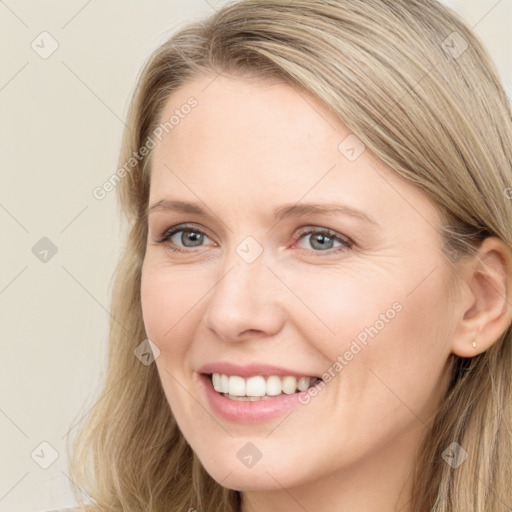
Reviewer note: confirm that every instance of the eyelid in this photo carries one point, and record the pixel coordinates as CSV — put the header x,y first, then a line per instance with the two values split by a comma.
x,y
346,242
169,232
318,229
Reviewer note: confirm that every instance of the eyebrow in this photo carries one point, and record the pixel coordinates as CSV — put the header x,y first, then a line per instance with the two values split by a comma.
x,y
283,212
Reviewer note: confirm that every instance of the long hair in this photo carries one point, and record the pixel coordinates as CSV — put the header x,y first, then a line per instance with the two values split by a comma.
x,y
412,81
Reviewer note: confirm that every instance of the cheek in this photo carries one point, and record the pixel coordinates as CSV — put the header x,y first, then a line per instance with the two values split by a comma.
x,y
171,305
337,306
401,372
384,334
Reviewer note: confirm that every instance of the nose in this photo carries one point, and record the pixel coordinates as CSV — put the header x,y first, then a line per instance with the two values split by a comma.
x,y
245,302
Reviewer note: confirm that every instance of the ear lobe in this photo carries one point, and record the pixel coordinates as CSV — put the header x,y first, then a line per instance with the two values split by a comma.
x,y
487,310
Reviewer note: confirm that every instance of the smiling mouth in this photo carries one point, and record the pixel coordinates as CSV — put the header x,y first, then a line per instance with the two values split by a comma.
x,y
257,388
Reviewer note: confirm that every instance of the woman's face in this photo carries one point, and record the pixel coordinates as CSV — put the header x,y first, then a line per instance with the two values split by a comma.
x,y
256,282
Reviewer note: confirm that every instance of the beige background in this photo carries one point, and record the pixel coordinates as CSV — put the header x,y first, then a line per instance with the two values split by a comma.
x,y
61,124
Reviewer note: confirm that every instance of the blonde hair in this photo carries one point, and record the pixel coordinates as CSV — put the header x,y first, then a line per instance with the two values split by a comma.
x,y
398,74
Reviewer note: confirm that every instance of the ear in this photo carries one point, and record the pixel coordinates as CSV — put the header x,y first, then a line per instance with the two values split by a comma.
x,y
485,310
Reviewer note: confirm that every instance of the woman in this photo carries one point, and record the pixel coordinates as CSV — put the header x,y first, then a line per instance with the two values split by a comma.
x,y
313,309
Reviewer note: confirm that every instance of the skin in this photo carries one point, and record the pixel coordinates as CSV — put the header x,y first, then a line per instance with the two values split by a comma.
x,y
246,149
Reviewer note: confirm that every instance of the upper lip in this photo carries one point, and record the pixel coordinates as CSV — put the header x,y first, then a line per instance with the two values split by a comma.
x,y
251,370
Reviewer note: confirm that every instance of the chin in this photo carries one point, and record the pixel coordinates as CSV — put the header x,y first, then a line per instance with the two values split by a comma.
x,y
266,475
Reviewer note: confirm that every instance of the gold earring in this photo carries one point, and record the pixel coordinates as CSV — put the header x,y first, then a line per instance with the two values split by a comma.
x,y
474,343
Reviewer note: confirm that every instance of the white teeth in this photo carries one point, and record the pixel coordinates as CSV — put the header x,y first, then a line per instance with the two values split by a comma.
x,y
289,385
216,381
236,386
255,386
303,383
274,386
258,387
224,384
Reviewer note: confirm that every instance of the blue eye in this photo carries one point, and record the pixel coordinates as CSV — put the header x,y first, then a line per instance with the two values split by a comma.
x,y
320,239
190,237
323,240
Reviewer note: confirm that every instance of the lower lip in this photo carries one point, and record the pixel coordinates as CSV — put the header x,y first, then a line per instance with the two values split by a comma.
x,y
241,411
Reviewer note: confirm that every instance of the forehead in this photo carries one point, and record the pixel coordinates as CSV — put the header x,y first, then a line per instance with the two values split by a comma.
x,y
269,143
250,118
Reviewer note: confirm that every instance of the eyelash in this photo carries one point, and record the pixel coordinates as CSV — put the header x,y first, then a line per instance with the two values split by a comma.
x,y
344,240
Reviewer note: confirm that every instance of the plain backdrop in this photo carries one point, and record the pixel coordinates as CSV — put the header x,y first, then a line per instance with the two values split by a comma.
x,y
61,124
